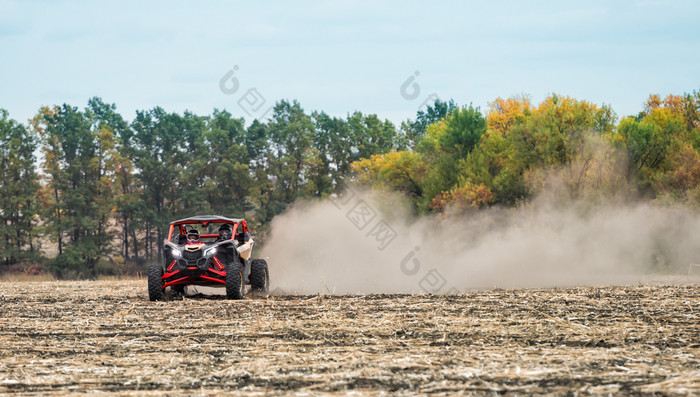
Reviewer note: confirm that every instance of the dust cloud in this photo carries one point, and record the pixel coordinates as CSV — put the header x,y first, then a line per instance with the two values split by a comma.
x,y
368,242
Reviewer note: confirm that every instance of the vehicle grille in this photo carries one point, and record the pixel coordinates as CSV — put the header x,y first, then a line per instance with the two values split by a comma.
x,y
190,256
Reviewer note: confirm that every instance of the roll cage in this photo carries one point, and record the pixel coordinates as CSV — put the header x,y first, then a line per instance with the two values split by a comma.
x,y
178,228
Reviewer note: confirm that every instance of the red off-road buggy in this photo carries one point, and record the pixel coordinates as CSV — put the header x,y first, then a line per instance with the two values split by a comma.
x,y
208,250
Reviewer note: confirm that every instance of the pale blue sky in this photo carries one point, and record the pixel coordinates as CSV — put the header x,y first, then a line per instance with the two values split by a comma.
x,y
342,56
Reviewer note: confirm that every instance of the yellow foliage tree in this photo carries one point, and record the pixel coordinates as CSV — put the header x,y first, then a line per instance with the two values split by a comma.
x,y
400,171
503,113
467,195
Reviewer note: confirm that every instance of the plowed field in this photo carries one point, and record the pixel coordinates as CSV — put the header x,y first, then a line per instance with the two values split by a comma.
x,y
89,336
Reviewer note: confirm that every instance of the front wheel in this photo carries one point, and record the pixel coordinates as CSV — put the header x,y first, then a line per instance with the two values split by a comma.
x,y
155,282
234,281
259,277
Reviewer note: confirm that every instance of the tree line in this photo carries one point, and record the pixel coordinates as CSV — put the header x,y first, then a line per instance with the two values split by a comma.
x,y
102,190
568,148
97,187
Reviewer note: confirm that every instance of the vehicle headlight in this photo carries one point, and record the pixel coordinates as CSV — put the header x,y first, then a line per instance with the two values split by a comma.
x,y
175,253
211,251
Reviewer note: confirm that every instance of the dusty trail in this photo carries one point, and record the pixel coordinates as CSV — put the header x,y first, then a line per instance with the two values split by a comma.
x,y
68,337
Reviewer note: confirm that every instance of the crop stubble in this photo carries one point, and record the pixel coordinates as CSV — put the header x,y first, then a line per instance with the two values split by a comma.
x,y
65,337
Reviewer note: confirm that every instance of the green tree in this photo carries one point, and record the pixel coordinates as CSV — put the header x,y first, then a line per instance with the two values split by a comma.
x,y
523,141
337,150
196,183
159,150
117,171
647,143
555,132
18,190
291,135
371,135
414,131
77,172
445,145
228,178
265,201
493,164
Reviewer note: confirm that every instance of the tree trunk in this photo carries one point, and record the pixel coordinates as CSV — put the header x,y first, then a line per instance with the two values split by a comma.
x,y
58,224
158,241
19,243
136,244
126,237
148,240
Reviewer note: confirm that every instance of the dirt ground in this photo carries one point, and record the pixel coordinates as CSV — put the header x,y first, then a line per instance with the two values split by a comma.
x,y
84,337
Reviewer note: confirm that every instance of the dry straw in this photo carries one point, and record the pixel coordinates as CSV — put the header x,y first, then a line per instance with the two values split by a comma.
x,y
68,337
